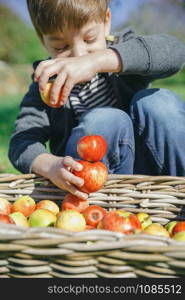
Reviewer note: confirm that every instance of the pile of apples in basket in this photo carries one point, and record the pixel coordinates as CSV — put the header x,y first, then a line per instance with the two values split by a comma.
x,y
76,214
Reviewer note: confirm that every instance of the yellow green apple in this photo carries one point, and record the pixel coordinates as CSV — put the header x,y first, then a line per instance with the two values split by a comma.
x,y
179,236
49,205
72,220
156,229
19,219
42,218
144,219
170,225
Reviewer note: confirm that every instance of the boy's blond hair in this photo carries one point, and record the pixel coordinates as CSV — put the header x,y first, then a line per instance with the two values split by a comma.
x,y
51,16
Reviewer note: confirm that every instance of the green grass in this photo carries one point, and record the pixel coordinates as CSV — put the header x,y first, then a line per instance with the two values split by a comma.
x,y
174,83
9,106
19,43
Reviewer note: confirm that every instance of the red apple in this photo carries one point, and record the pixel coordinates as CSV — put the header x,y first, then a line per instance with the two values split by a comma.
x,y
89,227
180,226
94,176
46,96
94,214
114,221
49,205
72,220
25,205
92,147
123,213
72,202
6,219
5,206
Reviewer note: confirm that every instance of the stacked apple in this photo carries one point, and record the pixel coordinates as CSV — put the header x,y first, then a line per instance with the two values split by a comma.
x,y
91,150
77,214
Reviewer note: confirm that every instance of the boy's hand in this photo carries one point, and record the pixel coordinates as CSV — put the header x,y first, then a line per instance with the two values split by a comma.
x,y
60,174
70,71
73,70
58,170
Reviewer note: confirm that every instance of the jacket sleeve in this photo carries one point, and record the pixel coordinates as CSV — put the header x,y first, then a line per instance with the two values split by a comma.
x,y
32,130
154,56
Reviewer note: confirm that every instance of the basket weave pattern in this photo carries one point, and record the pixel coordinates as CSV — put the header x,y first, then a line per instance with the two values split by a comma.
x,y
52,252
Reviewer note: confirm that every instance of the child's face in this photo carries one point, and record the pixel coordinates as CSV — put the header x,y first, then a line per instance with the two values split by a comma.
x,y
73,43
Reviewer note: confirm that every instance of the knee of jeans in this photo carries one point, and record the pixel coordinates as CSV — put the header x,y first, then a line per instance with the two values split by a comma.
x,y
158,104
98,119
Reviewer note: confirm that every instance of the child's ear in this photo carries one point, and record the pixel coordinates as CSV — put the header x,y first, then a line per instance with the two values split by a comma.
x,y
108,22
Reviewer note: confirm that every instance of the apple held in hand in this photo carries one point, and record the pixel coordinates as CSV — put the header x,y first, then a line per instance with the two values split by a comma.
x,y
46,96
49,205
6,219
42,218
115,221
94,176
5,206
72,220
93,215
92,147
72,202
19,219
25,205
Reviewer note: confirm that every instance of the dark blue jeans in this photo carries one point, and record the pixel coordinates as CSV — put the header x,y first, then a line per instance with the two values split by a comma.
x,y
150,141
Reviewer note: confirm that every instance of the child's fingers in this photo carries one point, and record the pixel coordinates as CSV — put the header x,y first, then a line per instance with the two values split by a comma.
x,y
68,161
73,190
57,89
41,67
46,74
70,183
68,86
71,178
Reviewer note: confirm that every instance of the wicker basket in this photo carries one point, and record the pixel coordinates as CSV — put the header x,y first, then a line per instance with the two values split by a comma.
x,y
51,252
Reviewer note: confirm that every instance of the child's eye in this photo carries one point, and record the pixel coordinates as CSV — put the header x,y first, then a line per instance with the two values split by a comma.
x,y
61,48
90,41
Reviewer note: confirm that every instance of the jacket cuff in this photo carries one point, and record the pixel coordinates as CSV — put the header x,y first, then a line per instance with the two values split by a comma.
x,y
25,161
134,56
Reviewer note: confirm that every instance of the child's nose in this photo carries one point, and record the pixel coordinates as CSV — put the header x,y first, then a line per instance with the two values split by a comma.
x,y
79,51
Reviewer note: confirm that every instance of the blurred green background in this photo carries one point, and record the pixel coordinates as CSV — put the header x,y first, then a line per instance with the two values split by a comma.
x,y
20,46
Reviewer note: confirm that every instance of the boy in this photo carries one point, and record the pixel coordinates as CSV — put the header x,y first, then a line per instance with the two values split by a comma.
x,y
104,91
